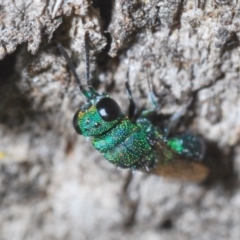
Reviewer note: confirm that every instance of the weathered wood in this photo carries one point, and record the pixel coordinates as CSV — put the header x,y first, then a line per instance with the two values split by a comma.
x,y
53,185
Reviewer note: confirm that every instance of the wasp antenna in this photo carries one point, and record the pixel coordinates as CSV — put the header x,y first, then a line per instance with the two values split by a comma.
x,y
87,73
132,105
72,69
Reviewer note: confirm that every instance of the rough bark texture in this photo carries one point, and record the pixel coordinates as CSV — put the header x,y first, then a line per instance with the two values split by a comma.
x,y
53,185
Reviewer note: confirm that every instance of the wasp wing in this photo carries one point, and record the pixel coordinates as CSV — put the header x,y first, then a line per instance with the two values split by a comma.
x,y
173,165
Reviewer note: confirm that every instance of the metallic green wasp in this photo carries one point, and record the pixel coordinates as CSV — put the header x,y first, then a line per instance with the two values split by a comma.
x,y
134,142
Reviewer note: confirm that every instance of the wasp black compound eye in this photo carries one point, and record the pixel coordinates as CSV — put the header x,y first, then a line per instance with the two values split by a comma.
x,y
76,124
108,109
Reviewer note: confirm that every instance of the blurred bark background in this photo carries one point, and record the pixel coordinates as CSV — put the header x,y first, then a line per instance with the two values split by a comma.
x,y
53,185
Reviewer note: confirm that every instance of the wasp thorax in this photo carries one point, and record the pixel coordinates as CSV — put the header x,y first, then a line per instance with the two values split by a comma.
x,y
100,117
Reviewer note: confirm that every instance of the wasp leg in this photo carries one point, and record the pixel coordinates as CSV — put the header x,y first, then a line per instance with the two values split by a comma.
x,y
132,113
152,95
175,118
147,113
153,99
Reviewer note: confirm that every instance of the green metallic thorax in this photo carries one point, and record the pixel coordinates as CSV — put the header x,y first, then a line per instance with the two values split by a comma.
x,y
126,145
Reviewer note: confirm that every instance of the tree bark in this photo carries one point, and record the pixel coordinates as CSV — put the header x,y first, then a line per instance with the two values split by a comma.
x,y
53,185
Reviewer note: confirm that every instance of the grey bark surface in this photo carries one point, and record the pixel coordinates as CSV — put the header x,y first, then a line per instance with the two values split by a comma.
x,y
53,184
